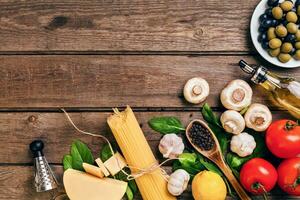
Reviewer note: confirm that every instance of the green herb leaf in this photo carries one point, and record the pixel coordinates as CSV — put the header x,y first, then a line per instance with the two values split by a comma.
x,y
209,165
67,162
80,153
166,125
129,193
106,153
133,186
209,116
222,136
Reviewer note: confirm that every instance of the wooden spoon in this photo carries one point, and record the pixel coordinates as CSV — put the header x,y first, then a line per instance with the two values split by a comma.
x,y
216,156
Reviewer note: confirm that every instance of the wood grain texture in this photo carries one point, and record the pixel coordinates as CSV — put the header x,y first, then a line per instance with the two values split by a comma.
x,y
18,129
17,184
108,81
73,25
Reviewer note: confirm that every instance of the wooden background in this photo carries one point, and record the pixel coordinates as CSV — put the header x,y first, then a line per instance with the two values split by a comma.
x,y
89,56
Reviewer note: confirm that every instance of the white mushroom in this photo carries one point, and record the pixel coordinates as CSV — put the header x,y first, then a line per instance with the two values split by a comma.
x,y
196,90
170,146
242,144
236,95
258,117
232,121
178,182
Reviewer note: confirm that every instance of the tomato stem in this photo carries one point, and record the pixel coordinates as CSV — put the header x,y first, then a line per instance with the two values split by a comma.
x,y
257,186
290,125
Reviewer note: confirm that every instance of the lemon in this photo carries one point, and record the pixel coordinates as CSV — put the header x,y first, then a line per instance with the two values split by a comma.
x,y
208,185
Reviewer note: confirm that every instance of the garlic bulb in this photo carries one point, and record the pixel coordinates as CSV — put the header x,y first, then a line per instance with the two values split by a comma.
x,y
258,117
242,144
196,90
232,121
236,95
171,146
178,182
294,88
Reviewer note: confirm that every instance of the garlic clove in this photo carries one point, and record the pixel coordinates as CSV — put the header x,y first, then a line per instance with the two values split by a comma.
x,y
232,121
196,90
242,144
171,146
178,182
258,117
236,95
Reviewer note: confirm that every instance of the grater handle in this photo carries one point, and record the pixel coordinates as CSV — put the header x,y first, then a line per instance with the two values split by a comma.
x,y
36,148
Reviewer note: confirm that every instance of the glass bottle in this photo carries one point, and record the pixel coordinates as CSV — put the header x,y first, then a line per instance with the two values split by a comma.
x,y
284,91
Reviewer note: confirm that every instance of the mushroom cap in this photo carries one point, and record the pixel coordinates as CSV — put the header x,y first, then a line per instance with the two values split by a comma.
x,y
258,117
196,90
232,121
236,95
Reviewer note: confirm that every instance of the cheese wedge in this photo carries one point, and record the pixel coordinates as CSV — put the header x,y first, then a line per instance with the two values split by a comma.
x,y
102,167
93,170
82,186
115,163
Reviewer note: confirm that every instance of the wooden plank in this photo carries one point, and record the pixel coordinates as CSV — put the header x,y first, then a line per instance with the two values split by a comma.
x,y
37,25
108,81
17,184
18,129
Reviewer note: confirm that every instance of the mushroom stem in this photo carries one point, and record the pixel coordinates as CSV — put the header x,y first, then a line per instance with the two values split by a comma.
x,y
197,89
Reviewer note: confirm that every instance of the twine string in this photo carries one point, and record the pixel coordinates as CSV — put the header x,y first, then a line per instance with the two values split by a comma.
x,y
141,171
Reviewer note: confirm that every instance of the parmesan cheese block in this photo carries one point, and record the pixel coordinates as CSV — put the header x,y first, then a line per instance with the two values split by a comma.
x,y
102,167
82,186
115,163
93,170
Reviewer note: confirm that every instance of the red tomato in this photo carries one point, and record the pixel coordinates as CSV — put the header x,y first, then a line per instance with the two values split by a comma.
x,y
289,176
258,176
283,138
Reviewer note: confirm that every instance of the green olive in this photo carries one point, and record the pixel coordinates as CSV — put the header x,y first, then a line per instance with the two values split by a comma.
x,y
297,35
297,55
271,33
274,52
281,31
298,10
291,17
284,57
286,47
292,27
275,43
277,12
287,5
297,45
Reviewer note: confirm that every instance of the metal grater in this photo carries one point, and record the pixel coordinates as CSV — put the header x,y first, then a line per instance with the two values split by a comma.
x,y
44,179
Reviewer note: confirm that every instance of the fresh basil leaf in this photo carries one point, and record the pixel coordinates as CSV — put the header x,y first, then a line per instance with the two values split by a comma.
x,y
166,125
67,162
187,159
80,153
129,193
222,136
210,166
106,153
209,116
133,186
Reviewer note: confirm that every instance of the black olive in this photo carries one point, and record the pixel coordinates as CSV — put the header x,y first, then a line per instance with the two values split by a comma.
x,y
262,37
274,22
273,2
265,44
268,12
297,3
262,29
285,22
293,51
268,23
263,17
290,38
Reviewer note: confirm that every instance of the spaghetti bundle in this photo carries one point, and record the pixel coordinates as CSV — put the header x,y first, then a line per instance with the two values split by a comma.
x,y
137,153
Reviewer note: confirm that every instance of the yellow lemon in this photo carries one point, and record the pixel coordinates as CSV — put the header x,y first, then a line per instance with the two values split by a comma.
x,y
208,185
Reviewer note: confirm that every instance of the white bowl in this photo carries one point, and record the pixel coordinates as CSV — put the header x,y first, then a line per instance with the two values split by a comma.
x,y
259,10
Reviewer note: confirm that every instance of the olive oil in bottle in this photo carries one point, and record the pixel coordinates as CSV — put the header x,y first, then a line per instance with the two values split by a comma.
x,y
284,91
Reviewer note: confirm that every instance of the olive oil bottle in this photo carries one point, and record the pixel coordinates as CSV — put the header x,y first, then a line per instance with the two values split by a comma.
x,y
284,91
